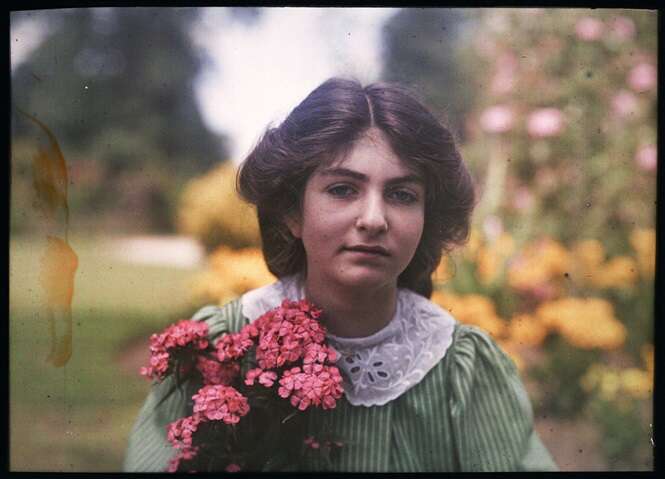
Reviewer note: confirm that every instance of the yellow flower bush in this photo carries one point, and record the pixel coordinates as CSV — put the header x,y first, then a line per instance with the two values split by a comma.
x,y
637,383
492,257
643,242
472,309
212,211
585,323
611,383
588,255
231,273
527,330
538,263
619,272
588,267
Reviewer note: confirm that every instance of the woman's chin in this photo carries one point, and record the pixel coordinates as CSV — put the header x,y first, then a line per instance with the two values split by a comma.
x,y
366,279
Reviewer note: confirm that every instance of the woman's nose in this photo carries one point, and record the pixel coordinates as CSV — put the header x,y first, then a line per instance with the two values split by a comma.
x,y
372,215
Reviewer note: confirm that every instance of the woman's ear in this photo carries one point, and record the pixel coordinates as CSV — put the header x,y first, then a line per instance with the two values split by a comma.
x,y
294,224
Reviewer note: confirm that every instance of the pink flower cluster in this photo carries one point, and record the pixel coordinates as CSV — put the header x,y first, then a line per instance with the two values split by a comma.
x,y
287,336
214,372
314,384
183,455
179,433
185,334
286,332
218,402
234,346
211,403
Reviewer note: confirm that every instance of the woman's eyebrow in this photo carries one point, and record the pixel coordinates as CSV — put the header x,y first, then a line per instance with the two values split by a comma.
x,y
338,171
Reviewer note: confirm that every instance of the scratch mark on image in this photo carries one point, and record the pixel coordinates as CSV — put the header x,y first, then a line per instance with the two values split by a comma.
x,y
59,263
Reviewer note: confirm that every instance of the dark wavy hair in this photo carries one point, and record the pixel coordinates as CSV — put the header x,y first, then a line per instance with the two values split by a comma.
x,y
324,126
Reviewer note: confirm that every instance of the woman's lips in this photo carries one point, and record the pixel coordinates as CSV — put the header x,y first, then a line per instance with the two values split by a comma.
x,y
368,250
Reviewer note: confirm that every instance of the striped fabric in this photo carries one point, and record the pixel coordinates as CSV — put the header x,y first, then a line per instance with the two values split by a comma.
x,y
469,413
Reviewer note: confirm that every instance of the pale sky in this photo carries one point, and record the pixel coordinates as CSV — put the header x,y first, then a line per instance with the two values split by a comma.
x,y
266,69
261,71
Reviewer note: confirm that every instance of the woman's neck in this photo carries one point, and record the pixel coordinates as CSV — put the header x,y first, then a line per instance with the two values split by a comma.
x,y
352,311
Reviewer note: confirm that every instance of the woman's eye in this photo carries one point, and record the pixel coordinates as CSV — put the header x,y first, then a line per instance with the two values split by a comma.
x,y
404,196
341,191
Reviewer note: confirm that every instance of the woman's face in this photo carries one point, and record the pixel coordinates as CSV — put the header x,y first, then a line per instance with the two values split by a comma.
x,y
362,217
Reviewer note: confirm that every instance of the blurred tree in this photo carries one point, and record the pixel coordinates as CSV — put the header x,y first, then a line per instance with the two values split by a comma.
x,y
116,86
421,48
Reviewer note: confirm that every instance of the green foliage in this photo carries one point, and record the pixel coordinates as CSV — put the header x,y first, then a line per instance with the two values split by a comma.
x,y
559,378
422,50
624,432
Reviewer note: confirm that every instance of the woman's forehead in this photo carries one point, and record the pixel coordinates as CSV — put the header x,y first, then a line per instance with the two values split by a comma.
x,y
372,149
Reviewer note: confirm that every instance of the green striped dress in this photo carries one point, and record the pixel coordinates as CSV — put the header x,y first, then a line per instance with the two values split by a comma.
x,y
469,413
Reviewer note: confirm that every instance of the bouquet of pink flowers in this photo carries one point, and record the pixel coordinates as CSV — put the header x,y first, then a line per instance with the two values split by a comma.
x,y
256,387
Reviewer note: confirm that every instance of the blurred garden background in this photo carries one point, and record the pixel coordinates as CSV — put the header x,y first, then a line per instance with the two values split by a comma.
x,y
153,109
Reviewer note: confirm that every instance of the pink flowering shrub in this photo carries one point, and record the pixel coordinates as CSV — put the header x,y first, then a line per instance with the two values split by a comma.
x,y
643,77
589,29
290,366
545,122
497,119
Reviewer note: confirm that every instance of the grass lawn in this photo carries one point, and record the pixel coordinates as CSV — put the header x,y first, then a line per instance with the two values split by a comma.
x,y
77,418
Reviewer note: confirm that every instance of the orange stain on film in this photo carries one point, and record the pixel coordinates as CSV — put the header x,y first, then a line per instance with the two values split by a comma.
x,y
59,262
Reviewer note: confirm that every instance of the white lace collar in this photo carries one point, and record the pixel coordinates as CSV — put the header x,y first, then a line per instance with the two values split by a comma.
x,y
380,367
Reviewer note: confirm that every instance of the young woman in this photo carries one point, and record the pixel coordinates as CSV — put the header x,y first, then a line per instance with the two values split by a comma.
x,y
359,192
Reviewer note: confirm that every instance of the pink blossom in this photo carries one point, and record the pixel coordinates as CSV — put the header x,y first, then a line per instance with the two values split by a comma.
x,y
589,29
642,77
179,433
251,376
266,378
233,467
183,336
317,353
183,455
313,385
214,372
647,158
285,332
624,103
233,346
622,28
183,333
545,122
218,402
497,119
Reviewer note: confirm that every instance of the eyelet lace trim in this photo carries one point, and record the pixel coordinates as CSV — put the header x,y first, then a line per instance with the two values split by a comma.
x,y
383,366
